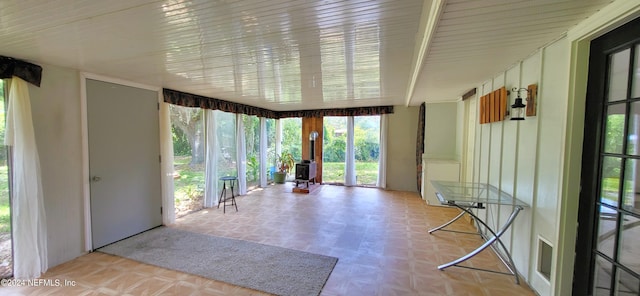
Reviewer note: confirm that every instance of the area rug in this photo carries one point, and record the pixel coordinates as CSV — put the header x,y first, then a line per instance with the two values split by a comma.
x,y
256,266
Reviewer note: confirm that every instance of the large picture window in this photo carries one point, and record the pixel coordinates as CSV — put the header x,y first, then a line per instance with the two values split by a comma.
x,y
252,144
226,136
292,137
271,148
187,128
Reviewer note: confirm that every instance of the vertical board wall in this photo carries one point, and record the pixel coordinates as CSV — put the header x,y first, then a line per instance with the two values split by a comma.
x,y
523,158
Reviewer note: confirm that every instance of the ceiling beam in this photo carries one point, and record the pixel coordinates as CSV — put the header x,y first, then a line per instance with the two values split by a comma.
x,y
469,94
431,11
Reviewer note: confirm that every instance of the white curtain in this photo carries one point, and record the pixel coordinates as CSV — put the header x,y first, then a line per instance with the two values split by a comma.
x,y
241,156
382,156
263,152
350,156
166,150
211,160
29,221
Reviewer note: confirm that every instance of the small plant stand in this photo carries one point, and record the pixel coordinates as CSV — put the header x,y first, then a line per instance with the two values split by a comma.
x,y
223,194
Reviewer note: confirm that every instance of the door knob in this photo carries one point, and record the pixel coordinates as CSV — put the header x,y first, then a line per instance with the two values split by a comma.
x,y
95,179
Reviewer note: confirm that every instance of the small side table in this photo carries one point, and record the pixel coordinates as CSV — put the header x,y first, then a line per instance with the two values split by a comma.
x,y
223,194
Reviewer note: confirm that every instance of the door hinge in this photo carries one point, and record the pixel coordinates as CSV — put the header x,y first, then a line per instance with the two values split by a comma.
x,y
160,210
160,158
158,105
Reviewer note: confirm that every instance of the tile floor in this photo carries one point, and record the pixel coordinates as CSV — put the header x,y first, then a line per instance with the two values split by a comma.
x,y
380,238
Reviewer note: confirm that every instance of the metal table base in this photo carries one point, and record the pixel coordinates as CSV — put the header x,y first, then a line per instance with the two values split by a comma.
x,y
494,241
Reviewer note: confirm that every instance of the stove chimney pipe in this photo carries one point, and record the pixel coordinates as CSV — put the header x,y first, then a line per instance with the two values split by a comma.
x,y
312,147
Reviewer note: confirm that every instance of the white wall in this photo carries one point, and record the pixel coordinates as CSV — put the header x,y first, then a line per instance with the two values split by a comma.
x,y
440,141
401,153
56,115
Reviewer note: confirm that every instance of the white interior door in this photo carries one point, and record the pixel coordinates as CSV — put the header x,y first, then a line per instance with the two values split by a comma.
x,y
124,161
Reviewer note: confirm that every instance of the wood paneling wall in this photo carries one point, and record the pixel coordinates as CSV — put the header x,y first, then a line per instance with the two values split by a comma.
x,y
310,124
493,106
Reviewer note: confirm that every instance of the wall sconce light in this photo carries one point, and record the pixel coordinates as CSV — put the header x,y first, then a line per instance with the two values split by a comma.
x,y
518,108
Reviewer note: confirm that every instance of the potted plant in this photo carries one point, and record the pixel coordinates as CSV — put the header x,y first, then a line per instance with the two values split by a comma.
x,y
285,164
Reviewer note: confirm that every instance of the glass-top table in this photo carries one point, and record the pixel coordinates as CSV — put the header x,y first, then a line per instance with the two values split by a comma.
x,y
467,196
473,194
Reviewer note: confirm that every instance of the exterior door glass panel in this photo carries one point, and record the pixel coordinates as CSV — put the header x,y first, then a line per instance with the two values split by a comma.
x,y
635,86
633,125
610,182
629,252
602,280
631,197
618,75
626,284
614,129
607,231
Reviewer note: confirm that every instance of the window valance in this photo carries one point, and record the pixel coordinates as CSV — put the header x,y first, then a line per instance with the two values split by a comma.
x,y
358,111
190,100
28,72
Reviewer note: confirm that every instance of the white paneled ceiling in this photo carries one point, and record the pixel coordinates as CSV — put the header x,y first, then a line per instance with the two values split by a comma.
x,y
475,40
290,54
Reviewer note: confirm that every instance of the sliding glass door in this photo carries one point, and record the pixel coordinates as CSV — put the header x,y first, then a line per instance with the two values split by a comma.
x,y
367,149
334,148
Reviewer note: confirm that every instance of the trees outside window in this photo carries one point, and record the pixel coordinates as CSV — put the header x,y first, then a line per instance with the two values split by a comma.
x,y
334,145
226,139
612,166
6,258
366,148
252,144
187,127
271,148
292,137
